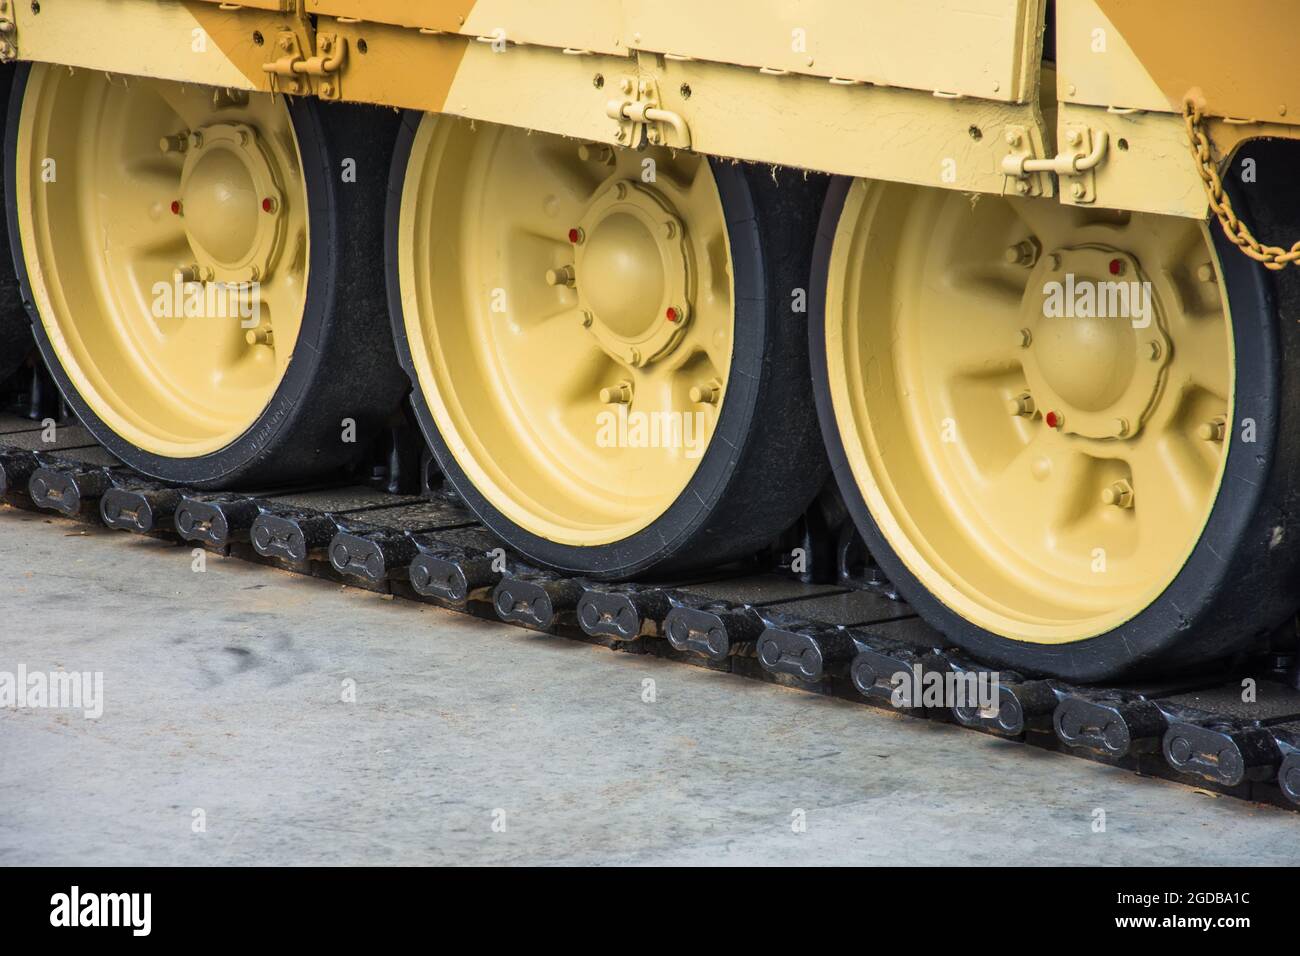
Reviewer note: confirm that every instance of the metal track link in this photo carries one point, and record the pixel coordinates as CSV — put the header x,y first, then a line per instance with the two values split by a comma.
x,y
852,644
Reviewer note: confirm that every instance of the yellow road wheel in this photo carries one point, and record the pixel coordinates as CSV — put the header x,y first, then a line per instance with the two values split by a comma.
x,y
182,250
15,331
1031,408
570,315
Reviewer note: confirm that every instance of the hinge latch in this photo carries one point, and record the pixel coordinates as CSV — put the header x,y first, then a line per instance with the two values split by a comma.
x,y
1077,166
638,113
293,72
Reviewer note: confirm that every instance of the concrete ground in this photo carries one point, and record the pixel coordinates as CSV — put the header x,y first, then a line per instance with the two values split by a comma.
x,y
226,739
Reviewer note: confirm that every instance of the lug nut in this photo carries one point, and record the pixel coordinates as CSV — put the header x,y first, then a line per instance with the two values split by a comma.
x,y
562,276
1022,405
1121,427
1117,267
174,144
705,394
620,394
262,335
177,208
1205,272
1026,338
670,229
1054,420
186,274
596,153
1024,253
576,236
1119,494
196,140
270,204
1154,351
1212,430
675,313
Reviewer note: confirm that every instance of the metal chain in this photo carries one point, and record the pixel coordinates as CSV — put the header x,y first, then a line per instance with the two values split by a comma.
x,y
1273,257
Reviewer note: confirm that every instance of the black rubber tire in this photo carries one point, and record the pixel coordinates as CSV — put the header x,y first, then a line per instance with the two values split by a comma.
x,y
343,366
1239,585
764,464
15,331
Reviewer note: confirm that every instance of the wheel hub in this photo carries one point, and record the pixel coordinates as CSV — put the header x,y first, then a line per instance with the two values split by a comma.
x,y
1095,349
631,273
230,203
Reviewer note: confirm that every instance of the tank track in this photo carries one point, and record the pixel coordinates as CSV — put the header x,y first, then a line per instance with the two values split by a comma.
x,y
829,639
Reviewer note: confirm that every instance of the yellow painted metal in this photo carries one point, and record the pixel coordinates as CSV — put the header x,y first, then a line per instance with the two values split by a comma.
x,y
1138,54
164,230
566,390
189,40
946,358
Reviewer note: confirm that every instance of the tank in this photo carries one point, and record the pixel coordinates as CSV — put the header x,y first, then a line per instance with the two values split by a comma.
x,y
1008,282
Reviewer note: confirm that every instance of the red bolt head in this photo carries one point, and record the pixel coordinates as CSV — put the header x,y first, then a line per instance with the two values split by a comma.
x,y
1053,420
1116,267
268,204
672,314
575,235
176,207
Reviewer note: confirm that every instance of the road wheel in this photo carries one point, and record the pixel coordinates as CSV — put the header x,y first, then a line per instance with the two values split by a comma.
x,y
605,358
1057,428
197,271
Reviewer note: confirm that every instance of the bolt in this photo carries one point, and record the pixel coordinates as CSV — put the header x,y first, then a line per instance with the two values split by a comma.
x,y
1054,420
670,229
327,89
634,356
587,319
286,43
196,140
1074,137
1054,261
178,208
1116,267
187,274
175,144
620,190
596,153
707,394
270,204
562,276
1013,138
626,85
1119,494
675,313
620,394
1022,187
262,335
1026,338
1121,427
1023,253
1078,191
1213,430
1205,272
1022,405
1154,351
577,236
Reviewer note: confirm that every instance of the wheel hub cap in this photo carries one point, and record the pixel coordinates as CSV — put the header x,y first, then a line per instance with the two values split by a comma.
x,y
630,269
1093,339
231,203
